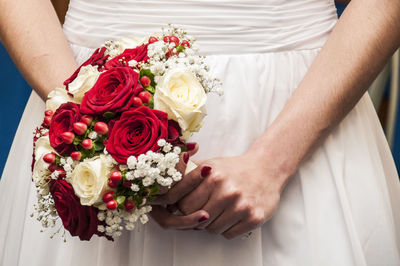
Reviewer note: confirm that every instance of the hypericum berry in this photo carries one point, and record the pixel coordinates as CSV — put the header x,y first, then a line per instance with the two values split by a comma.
x,y
137,102
49,157
129,205
145,80
68,137
153,39
116,176
112,205
62,173
127,184
145,96
87,144
48,113
87,119
47,120
101,128
185,43
79,128
171,52
166,39
174,39
108,196
52,167
76,155
112,184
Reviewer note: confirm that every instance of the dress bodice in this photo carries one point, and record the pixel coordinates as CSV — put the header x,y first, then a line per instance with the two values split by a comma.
x,y
221,26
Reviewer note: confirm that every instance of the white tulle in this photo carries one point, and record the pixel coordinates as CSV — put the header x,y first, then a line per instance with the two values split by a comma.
x,y
340,208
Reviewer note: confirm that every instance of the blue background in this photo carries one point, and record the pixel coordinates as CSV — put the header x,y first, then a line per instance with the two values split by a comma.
x,y
15,93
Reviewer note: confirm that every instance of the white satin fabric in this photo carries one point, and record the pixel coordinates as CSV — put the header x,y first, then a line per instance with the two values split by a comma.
x,y
340,208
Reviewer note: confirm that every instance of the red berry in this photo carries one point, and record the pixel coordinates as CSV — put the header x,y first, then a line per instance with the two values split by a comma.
x,y
174,39
116,176
87,144
68,137
185,43
166,39
145,96
129,205
52,167
137,102
48,113
145,80
79,128
62,173
112,205
101,128
108,196
153,39
87,119
47,120
76,155
112,184
171,52
127,184
49,158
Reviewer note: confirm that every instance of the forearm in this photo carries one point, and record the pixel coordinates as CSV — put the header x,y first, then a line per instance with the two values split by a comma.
x,y
362,41
32,35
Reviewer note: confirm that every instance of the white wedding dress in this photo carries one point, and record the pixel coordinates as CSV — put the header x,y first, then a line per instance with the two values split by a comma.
x,y
340,208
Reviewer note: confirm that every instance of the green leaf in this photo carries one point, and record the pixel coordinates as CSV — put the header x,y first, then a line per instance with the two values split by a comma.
x,y
120,200
150,89
77,140
180,48
109,115
98,146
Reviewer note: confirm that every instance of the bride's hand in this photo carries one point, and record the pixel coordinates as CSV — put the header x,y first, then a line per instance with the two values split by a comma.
x,y
239,194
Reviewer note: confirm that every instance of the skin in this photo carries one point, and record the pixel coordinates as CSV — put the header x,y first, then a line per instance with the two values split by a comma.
x,y
365,37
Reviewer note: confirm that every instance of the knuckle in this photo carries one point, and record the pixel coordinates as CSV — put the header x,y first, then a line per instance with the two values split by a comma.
x,y
216,179
244,207
256,219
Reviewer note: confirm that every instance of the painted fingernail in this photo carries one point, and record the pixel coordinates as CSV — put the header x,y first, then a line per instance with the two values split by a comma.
x,y
205,171
203,218
190,146
186,158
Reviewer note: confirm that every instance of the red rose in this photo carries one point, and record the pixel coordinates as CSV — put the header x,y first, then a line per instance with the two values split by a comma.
x,y
113,92
62,121
77,219
174,133
138,54
97,59
136,132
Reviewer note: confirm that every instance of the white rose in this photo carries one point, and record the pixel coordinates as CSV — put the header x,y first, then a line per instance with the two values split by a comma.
x,y
57,97
183,98
85,80
130,43
40,168
89,180
42,147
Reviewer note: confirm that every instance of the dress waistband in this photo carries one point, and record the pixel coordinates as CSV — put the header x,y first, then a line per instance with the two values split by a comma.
x,y
220,26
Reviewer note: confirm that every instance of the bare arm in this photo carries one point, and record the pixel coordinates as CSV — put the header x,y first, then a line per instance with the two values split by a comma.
x,y
32,35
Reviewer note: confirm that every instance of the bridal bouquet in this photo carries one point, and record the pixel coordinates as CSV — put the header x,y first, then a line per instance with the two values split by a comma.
x,y
112,136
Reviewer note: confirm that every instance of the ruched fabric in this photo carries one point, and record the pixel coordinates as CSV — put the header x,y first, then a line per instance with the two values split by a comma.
x,y
340,208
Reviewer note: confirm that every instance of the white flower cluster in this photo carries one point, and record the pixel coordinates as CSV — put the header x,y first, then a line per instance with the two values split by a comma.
x,y
116,220
68,165
44,207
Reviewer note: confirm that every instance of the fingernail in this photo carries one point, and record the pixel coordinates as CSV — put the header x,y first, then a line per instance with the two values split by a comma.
x,y
203,218
186,158
205,171
190,146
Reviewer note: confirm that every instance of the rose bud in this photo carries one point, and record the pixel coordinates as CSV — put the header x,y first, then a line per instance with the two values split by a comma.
x,y
112,205
185,43
112,184
153,39
137,102
87,119
116,176
68,137
101,128
145,80
174,39
129,205
145,96
108,196
87,144
47,120
76,155
49,157
52,167
48,113
79,128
